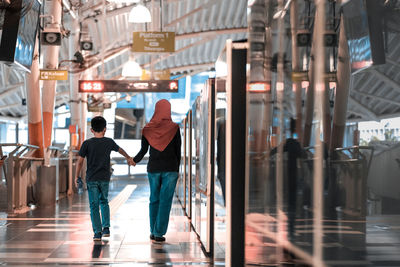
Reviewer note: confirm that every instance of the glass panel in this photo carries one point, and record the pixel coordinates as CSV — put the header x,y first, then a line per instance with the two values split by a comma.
x,y
219,161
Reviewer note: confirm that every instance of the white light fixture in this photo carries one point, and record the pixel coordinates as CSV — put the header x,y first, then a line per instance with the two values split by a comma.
x,y
139,14
132,69
125,1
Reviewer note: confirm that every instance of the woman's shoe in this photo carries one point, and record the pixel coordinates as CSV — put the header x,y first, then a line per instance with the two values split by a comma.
x,y
159,238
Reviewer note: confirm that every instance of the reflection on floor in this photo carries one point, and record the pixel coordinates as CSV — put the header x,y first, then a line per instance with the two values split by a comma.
x,y
345,241
62,235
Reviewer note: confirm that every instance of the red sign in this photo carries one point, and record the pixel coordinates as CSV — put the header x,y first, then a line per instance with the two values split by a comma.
x,y
91,86
101,86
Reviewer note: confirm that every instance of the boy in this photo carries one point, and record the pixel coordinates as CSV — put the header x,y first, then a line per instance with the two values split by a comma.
x,y
97,150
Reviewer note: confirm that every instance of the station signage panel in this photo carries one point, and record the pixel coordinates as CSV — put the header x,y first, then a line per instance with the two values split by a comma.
x,y
54,75
153,42
144,86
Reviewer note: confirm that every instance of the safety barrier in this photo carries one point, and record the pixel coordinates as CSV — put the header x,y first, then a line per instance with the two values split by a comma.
x,y
29,181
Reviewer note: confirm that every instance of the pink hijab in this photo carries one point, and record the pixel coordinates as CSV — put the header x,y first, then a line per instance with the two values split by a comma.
x,y
161,129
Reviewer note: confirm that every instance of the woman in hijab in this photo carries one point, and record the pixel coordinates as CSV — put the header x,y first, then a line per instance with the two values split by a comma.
x,y
164,139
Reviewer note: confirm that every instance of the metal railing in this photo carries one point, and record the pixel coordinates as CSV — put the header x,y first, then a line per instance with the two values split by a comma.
x,y
30,179
19,174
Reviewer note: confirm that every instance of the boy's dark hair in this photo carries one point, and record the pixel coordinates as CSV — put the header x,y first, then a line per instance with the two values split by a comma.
x,y
98,124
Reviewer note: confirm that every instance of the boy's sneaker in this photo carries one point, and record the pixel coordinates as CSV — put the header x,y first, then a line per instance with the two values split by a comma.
x,y
106,232
97,236
152,237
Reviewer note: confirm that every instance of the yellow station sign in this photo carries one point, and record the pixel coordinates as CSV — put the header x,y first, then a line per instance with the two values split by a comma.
x,y
51,75
157,75
153,42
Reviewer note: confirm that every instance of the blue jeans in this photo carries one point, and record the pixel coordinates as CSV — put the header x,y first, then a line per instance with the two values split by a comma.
x,y
98,196
162,188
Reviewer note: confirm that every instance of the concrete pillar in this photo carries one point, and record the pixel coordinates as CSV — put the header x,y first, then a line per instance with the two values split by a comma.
x,y
74,78
34,107
319,91
49,87
342,90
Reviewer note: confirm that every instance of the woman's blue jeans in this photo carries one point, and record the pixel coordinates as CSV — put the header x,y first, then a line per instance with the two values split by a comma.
x,y
98,196
162,188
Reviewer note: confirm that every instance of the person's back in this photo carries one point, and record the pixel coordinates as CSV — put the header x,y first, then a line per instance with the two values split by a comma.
x,y
163,137
166,160
97,150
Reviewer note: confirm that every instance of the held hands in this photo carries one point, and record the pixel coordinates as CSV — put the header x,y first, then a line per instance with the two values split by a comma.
x,y
130,161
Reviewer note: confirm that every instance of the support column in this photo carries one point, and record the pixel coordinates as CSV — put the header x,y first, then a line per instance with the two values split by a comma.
x,y
49,87
35,129
74,102
327,121
342,90
309,113
296,67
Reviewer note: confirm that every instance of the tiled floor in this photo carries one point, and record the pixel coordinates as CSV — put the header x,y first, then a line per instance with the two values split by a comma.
x,y
61,235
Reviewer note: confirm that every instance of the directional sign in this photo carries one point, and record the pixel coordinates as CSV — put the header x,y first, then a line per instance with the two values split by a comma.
x,y
101,86
153,42
58,75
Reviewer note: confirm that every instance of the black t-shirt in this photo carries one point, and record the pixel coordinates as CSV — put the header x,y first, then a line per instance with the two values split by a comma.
x,y
97,151
162,161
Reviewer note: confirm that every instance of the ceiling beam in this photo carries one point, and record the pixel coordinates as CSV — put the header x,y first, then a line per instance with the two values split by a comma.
x,y
389,81
193,67
392,62
203,34
10,89
192,12
366,111
378,98
17,105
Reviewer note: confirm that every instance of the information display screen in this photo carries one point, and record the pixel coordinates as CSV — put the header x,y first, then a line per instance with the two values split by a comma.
x,y
102,86
19,33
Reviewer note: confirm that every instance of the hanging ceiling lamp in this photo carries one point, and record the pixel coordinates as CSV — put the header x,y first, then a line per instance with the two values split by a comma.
x,y
132,69
125,1
139,14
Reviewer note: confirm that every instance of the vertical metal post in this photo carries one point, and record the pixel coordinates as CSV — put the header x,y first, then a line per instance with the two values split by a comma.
x,y
235,154
211,168
70,174
184,163
189,149
57,162
17,133
326,115
342,90
297,88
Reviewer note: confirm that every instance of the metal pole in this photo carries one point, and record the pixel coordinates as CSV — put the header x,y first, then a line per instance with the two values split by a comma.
x,y
309,112
319,88
35,130
49,87
297,88
342,90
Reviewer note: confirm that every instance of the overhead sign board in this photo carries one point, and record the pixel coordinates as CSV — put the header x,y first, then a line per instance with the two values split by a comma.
x,y
153,42
51,75
157,74
144,86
